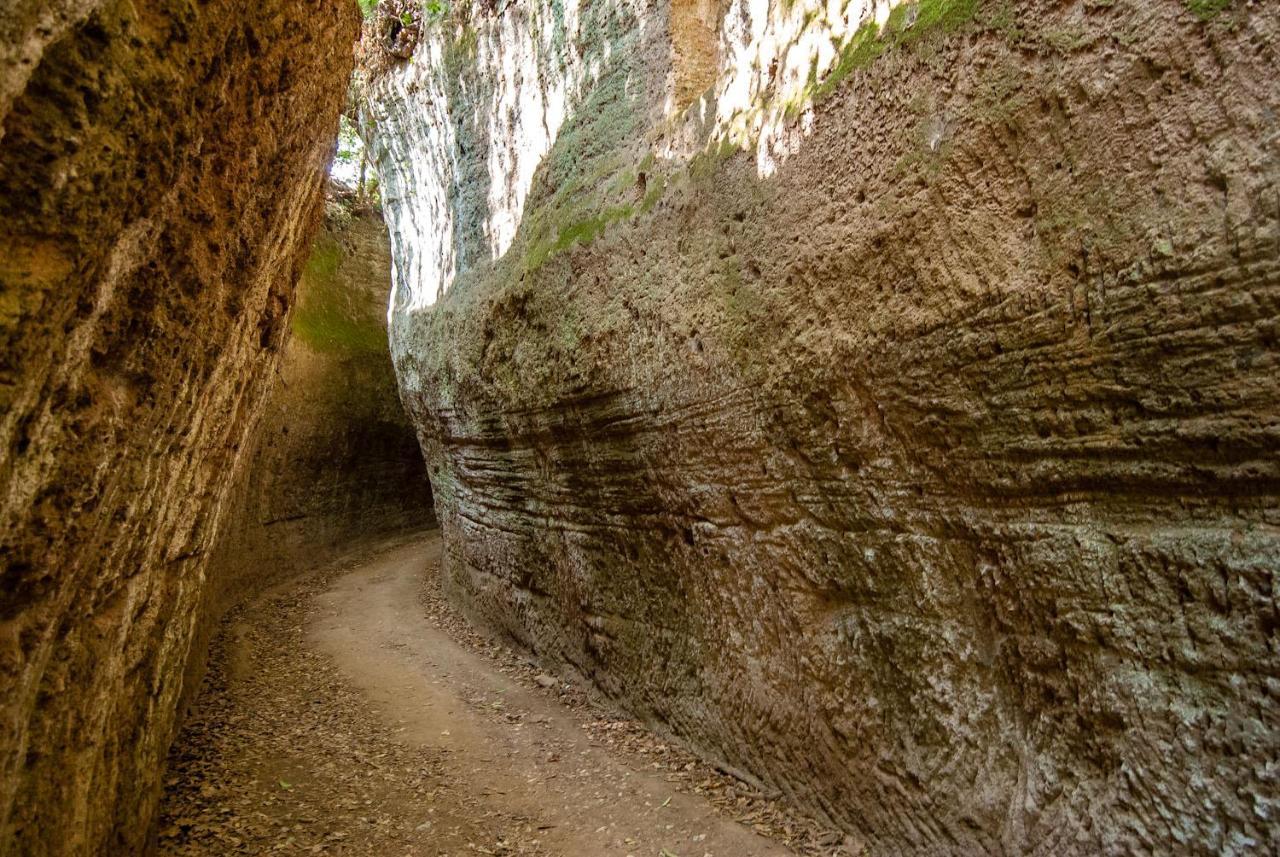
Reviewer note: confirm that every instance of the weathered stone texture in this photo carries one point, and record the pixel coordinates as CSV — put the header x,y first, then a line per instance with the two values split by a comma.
x,y
333,459
924,466
160,173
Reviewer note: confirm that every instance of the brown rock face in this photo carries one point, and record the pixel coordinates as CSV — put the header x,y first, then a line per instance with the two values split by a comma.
x,y
929,472
160,173
334,459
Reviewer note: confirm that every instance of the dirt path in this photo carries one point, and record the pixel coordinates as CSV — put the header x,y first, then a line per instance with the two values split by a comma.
x,y
341,717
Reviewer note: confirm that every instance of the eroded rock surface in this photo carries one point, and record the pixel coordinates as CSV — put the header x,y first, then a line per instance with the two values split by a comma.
x,y
333,460
160,176
921,463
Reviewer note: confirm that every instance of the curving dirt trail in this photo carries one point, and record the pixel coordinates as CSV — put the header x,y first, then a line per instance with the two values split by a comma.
x,y
340,717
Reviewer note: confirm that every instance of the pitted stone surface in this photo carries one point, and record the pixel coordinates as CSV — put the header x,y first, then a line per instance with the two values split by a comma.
x,y
927,471
160,176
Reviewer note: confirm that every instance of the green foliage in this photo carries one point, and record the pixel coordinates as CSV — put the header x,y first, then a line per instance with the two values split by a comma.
x,y
350,146
368,7
435,9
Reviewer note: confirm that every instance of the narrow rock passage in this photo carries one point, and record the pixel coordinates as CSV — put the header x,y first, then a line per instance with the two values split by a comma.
x,y
340,717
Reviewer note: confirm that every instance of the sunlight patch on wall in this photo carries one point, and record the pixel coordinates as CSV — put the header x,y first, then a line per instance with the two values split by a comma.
x,y
527,110
538,61
415,179
772,55
741,71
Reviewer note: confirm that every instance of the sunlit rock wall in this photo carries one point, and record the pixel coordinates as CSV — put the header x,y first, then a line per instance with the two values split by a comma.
x,y
160,175
897,421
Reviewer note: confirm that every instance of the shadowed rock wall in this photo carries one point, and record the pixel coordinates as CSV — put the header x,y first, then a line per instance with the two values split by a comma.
x,y
921,461
334,459
160,175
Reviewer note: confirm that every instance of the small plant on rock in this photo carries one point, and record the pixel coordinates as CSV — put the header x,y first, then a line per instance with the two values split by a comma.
x,y
398,26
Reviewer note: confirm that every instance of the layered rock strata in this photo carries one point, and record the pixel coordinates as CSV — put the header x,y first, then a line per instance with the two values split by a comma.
x,y
161,167
920,461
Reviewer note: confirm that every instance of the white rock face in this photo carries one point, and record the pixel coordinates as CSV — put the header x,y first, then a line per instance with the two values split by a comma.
x,y
526,68
483,100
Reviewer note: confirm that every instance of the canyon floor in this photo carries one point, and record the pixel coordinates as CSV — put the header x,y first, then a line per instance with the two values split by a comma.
x,y
353,712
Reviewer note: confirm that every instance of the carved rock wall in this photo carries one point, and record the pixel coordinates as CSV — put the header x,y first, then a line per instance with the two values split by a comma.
x,y
333,460
161,167
921,462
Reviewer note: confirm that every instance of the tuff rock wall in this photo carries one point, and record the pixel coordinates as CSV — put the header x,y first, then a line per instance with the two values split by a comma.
x,y
161,166
333,461
884,398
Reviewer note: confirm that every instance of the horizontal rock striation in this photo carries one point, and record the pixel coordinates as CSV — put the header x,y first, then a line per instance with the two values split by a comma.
x,y
161,167
922,464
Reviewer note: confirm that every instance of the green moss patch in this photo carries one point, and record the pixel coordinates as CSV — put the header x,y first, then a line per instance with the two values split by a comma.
x,y
907,24
1206,10
331,314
